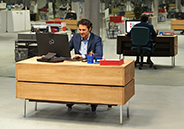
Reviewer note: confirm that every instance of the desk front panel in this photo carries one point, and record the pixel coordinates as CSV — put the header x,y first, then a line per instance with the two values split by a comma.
x,y
177,24
74,72
72,24
75,93
165,46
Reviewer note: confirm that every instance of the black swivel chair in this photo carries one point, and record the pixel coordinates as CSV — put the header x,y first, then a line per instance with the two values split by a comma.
x,y
140,38
71,15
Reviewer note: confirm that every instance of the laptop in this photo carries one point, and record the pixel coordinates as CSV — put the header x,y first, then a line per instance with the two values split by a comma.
x,y
53,43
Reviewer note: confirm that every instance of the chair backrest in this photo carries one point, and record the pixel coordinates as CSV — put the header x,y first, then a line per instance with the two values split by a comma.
x,y
140,35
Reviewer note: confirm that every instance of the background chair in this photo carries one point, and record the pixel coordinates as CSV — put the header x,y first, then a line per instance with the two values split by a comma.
x,y
140,38
113,30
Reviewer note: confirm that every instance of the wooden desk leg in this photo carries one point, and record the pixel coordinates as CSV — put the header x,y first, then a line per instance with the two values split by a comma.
x,y
35,106
128,104
173,61
121,114
25,108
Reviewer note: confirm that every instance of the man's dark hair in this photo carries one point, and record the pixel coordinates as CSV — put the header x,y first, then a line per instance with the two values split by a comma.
x,y
85,22
144,18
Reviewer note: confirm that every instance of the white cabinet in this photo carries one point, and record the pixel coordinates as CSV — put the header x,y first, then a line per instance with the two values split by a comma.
x,y
2,21
27,20
18,21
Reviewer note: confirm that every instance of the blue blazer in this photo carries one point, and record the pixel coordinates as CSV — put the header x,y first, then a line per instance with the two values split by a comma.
x,y
94,44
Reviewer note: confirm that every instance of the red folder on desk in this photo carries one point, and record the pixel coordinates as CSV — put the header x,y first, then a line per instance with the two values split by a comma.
x,y
111,62
168,33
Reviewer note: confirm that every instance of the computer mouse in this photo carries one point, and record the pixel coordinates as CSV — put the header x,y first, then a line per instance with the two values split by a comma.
x,y
84,60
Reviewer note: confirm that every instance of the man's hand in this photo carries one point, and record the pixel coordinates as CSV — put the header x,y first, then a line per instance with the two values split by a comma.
x,y
76,56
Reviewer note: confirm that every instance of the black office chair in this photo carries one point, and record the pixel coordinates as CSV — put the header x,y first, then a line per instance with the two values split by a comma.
x,y
71,15
140,38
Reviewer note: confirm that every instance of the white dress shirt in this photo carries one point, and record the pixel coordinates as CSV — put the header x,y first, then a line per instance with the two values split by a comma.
x,y
83,47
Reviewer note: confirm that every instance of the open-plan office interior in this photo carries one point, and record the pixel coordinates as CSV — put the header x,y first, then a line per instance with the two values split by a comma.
x,y
158,99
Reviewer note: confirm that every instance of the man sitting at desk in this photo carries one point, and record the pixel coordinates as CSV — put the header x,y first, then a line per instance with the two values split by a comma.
x,y
144,19
83,43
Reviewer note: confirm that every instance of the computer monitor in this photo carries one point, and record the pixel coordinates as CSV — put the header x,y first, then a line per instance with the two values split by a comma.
x,y
129,24
55,43
179,15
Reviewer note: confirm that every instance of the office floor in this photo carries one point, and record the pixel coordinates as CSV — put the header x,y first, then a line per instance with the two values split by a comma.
x,y
158,101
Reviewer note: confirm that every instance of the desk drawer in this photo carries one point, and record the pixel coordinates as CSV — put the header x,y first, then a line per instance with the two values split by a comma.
x,y
75,93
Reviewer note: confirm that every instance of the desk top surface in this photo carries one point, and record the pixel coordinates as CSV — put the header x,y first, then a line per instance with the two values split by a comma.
x,y
157,35
69,63
177,19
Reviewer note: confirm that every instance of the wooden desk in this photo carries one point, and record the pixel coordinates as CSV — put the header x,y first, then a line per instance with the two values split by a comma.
x,y
177,24
166,46
72,24
76,82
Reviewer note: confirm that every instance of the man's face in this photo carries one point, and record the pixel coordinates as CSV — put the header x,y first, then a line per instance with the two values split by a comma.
x,y
84,31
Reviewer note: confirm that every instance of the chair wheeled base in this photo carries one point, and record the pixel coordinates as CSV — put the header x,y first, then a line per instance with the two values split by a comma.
x,y
141,63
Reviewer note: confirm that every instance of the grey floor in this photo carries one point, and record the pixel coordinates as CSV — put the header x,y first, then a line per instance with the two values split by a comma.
x,y
157,103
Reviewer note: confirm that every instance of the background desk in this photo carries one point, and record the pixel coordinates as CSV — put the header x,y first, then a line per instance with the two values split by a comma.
x,y
177,24
72,24
76,82
166,46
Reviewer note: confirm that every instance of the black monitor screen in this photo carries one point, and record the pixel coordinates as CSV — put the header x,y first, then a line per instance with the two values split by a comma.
x,y
55,43
179,15
130,23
